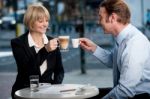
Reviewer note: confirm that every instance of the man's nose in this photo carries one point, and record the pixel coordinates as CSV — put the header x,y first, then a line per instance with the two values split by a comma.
x,y
99,23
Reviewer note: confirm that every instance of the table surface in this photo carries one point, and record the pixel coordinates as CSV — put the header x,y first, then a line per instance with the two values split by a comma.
x,y
58,91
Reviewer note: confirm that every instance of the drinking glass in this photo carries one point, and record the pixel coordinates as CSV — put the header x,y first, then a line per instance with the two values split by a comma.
x,y
64,43
34,82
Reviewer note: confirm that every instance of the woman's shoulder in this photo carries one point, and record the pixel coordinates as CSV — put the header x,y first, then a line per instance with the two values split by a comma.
x,y
20,38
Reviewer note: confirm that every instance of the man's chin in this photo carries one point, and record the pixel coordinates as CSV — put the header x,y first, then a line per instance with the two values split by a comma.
x,y
105,32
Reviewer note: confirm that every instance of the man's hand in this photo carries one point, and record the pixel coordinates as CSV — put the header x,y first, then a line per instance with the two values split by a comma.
x,y
87,44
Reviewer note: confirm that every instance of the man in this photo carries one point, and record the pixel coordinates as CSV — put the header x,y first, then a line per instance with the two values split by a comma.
x,y
130,56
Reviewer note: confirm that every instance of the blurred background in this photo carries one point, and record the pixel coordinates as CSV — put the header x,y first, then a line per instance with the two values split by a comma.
x,y
76,18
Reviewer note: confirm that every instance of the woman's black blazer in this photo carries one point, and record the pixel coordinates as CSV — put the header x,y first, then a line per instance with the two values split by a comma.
x,y
28,63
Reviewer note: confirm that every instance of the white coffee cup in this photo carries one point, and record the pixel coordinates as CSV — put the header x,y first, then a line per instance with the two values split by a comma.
x,y
75,42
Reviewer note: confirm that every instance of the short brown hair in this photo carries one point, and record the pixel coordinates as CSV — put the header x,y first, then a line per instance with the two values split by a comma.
x,y
119,7
34,13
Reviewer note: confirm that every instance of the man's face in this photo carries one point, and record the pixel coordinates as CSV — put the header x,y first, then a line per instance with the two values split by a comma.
x,y
104,20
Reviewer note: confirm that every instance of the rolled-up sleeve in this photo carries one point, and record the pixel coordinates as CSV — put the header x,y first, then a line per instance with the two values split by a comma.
x,y
104,56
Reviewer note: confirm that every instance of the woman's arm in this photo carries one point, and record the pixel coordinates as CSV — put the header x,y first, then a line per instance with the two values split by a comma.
x,y
59,70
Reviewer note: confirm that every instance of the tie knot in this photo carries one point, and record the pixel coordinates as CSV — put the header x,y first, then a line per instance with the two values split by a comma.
x,y
116,44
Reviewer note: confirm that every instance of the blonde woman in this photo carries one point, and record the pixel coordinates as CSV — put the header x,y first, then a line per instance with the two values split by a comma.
x,y
35,53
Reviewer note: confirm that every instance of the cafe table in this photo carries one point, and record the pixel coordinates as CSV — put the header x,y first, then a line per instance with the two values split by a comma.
x,y
58,91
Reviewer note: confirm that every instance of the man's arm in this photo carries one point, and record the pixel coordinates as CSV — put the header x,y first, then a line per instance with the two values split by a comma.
x,y
104,56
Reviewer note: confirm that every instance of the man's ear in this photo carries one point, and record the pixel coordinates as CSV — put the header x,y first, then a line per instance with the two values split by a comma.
x,y
113,17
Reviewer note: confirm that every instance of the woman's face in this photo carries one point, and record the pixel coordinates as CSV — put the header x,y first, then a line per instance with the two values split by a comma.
x,y
41,25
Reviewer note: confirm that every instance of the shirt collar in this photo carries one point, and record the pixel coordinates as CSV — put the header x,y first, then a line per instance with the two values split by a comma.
x,y
122,35
32,43
45,39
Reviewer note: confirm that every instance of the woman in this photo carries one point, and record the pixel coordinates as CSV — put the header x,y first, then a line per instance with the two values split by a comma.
x,y
35,53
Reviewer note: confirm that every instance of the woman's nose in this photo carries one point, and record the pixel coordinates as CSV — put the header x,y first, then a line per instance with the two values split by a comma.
x,y
45,23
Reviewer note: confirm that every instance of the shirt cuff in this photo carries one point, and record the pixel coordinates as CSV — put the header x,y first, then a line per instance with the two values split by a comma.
x,y
98,52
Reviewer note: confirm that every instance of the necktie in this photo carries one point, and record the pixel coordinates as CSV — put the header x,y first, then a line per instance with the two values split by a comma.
x,y
117,61
115,66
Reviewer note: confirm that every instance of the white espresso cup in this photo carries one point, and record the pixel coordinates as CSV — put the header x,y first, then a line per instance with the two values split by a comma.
x,y
75,42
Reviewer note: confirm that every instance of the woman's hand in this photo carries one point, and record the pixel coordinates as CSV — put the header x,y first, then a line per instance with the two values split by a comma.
x,y
52,45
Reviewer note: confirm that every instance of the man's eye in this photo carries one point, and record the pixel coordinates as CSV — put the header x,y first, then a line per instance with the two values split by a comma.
x,y
100,18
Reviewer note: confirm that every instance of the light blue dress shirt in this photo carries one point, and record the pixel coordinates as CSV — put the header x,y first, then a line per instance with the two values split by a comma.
x,y
130,62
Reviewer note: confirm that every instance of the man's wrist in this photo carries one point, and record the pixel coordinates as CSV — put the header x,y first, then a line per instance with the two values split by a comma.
x,y
94,48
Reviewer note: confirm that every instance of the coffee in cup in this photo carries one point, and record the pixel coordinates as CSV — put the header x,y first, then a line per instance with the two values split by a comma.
x,y
64,42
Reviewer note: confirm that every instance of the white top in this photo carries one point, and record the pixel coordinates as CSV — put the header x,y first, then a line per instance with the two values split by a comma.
x,y
31,42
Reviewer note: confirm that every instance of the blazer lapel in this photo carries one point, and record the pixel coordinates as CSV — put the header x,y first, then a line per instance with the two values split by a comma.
x,y
30,50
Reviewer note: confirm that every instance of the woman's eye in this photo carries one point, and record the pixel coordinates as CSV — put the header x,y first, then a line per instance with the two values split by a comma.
x,y
40,21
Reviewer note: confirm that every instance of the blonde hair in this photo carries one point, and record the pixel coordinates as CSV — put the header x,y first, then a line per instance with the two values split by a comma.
x,y
34,13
